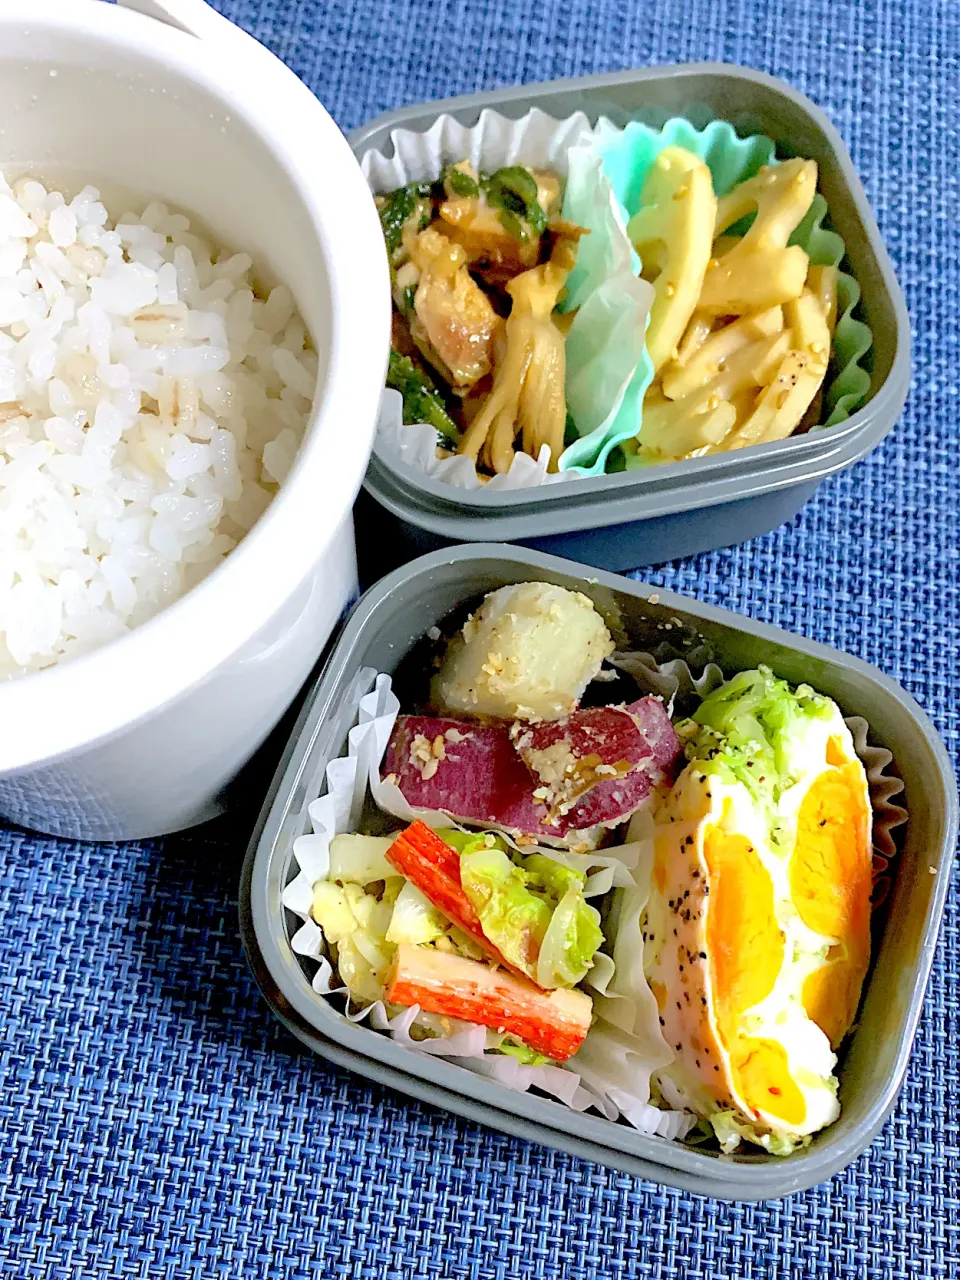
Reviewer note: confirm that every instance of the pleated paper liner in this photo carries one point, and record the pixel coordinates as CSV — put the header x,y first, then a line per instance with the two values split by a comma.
x,y
600,1077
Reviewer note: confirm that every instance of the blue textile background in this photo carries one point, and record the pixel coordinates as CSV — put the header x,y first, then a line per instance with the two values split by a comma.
x,y
156,1122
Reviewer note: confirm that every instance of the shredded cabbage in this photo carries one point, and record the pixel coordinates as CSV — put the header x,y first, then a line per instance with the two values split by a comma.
x,y
414,918
730,1129
753,730
533,910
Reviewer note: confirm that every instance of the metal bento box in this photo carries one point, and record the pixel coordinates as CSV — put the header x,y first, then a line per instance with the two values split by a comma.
x,y
618,521
385,626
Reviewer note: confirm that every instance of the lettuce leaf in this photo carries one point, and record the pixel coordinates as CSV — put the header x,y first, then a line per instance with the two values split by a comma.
x,y
514,919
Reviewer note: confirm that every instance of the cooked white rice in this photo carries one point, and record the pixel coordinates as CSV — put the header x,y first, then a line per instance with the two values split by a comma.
x,y
150,403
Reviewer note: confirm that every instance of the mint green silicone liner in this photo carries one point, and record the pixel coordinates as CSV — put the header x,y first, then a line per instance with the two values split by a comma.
x,y
627,156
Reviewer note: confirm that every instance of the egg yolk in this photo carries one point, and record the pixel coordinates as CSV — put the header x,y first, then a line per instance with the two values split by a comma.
x,y
831,881
766,1084
746,949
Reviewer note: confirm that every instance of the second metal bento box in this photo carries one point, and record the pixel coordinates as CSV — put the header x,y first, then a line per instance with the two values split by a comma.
x,y
384,628
623,520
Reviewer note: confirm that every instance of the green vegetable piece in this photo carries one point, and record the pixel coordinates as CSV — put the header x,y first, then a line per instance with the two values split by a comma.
x,y
524,1054
421,400
399,207
513,190
468,841
752,730
730,1128
457,183
551,877
332,911
570,943
514,919
360,859
533,910
754,717
414,918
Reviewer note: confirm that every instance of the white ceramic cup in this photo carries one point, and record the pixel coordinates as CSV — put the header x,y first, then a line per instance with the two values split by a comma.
x,y
140,737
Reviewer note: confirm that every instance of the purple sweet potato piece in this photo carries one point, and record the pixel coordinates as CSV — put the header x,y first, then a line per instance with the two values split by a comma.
x,y
480,777
653,722
475,772
599,764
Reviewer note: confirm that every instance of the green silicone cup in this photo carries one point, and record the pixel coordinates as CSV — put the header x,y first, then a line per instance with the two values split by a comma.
x,y
627,156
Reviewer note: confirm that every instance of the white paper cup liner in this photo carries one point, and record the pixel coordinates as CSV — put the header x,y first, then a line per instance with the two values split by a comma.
x,y
612,1071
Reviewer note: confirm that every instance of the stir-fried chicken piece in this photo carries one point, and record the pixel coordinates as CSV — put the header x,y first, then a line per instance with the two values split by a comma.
x,y
453,322
499,223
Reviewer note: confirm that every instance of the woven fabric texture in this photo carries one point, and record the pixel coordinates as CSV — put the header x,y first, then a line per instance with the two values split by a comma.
x,y
155,1121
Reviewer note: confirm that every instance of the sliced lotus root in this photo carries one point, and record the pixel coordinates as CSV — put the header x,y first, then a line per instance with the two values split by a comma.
x,y
697,332
704,418
673,233
782,404
822,283
761,270
712,356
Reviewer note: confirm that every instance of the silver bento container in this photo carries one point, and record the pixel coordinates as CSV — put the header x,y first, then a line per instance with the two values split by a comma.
x,y
624,520
384,628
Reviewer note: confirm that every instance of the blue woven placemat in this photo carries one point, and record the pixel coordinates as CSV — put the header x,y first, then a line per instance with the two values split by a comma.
x,y
156,1122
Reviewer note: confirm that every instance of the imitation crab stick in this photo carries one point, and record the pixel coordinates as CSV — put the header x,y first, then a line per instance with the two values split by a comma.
x,y
434,867
553,1023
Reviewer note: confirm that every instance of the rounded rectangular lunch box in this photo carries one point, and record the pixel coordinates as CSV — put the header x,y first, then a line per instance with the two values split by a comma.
x,y
384,627
623,520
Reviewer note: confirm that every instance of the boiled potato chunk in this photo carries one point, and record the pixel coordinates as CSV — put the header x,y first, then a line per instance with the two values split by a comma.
x,y
761,270
527,653
673,230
